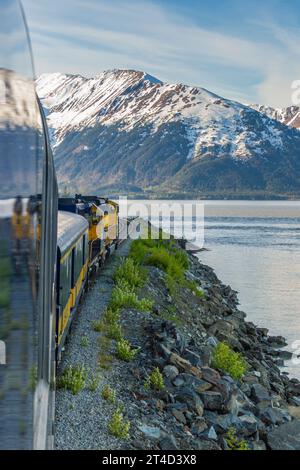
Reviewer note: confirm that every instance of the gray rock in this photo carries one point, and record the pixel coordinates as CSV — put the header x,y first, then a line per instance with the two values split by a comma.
x,y
285,437
193,358
210,434
248,424
179,416
199,426
191,398
212,341
277,341
170,372
189,380
210,375
259,393
213,401
168,443
293,389
274,416
150,432
258,445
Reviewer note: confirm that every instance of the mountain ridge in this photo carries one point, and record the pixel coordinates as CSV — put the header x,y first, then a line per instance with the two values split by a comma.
x,y
127,129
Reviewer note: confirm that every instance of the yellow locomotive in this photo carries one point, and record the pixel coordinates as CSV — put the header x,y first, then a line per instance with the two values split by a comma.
x,y
88,230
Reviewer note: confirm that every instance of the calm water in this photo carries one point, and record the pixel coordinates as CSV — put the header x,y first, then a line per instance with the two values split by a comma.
x,y
255,247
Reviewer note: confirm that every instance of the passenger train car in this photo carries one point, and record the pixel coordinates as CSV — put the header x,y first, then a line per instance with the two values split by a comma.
x,y
46,255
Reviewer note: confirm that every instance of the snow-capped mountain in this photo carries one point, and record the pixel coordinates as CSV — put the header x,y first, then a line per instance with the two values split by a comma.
x,y
127,129
289,116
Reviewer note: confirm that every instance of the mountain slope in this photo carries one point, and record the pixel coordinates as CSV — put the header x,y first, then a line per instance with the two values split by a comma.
x,y
289,116
126,130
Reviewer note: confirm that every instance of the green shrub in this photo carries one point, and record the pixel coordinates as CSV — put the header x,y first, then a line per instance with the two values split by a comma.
x,y
73,378
130,272
123,296
224,358
111,316
84,342
164,255
108,394
233,442
124,351
114,331
194,287
117,426
98,325
155,380
94,382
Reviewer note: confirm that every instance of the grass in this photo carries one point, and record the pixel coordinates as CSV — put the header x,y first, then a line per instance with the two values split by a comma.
x,y
155,380
233,442
93,382
84,342
124,351
114,331
130,272
118,426
124,296
105,358
73,378
227,360
165,255
108,394
98,325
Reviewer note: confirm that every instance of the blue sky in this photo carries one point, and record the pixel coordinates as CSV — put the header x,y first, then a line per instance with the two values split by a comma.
x,y
245,50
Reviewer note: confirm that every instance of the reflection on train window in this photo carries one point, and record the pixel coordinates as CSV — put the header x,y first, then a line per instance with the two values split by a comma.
x,y
65,281
78,259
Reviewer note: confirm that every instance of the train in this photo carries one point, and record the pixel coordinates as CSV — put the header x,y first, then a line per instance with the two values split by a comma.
x,y
49,248
88,232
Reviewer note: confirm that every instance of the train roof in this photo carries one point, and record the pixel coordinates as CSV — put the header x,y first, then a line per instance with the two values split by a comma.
x,y
70,228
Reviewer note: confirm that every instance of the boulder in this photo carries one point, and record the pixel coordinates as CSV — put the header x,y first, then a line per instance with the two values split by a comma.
x,y
274,416
211,375
189,380
170,372
168,443
213,401
277,341
192,357
192,400
179,416
285,437
259,393
184,365
199,425
150,432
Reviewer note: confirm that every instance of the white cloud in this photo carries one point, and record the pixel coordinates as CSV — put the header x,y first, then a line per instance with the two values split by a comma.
x,y
87,37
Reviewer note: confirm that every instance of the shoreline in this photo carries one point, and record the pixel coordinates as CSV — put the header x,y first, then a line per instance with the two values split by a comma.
x,y
199,403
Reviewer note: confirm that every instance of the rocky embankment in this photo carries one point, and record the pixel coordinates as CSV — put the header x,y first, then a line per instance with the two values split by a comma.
x,y
199,407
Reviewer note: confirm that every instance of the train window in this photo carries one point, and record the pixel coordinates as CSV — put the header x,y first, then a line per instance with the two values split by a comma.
x,y
86,248
65,281
78,259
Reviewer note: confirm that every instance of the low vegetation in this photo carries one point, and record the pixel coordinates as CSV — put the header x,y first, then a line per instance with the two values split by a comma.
x,y
124,296
233,442
118,426
130,272
227,360
73,378
155,380
93,382
84,342
108,394
124,351
165,255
